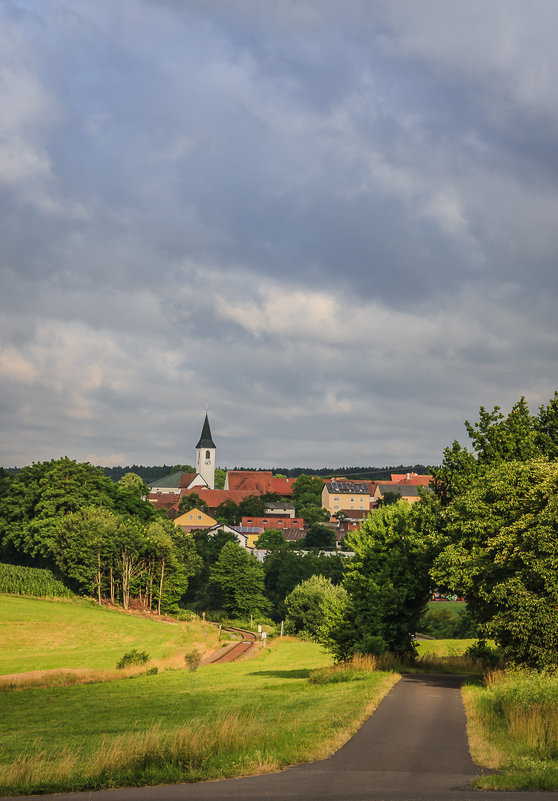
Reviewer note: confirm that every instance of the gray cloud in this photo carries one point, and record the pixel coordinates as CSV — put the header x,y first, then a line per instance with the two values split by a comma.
x,y
335,223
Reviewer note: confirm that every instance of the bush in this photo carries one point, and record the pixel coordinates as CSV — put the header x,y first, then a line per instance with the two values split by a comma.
x,y
480,651
133,657
193,659
443,625
187,615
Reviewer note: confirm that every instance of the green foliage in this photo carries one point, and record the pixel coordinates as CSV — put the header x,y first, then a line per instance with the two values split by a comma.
x,y
387,582
240,579
320,536
220,477
228,512
19,580
516,713
192,501
284,569
502,556
312,605
307,491
252,506
442,624
193,659
271,539
312,514
133,657
201,593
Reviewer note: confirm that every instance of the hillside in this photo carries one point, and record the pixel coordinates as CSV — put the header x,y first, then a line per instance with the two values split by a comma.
x,y
39,634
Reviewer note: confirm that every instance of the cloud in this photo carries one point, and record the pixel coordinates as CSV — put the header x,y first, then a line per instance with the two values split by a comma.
x,y
334,224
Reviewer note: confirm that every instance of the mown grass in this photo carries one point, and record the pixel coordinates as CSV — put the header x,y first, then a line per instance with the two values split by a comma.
x,y
243,718
39,634
513,726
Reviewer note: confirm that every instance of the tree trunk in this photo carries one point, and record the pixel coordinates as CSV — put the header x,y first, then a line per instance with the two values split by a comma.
x,y
126,572
161,585
111,586
99,577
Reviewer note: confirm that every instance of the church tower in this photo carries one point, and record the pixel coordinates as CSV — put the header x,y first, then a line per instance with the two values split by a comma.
x,y
205,455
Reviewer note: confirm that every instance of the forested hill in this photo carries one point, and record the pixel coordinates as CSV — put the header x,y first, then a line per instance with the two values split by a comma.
x,y
152,473
375,473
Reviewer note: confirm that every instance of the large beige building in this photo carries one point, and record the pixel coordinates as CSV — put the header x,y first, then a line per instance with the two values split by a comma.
x,y
340,495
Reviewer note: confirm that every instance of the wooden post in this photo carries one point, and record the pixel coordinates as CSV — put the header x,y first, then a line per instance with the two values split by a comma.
x,y
282,623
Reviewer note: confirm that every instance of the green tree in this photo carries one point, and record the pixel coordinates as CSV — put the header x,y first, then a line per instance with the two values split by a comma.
x,y
201,593
313,605
220,476
387,582
252,506
240,578
313,514
83,546
182,468
228,512
192,501
38,496
285,568
320,536
502,555
270,539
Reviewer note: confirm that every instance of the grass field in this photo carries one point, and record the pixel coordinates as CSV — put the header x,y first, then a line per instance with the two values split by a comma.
x,y
442,647
39,634
513,726
223,720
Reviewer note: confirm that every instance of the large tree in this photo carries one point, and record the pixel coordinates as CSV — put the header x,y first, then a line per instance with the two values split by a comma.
x,y
312,605
240,578
502,554
387,582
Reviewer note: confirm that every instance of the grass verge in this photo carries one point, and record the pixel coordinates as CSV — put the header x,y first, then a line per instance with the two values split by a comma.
x,y
513,727
220,721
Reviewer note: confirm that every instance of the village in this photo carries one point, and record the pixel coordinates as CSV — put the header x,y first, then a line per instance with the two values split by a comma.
x,y
252,502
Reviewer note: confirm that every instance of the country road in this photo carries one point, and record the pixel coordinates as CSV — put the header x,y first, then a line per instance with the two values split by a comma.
x,y
413,748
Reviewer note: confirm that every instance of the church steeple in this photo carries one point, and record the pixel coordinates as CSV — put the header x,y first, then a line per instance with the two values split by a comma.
x,y
205,455
206,440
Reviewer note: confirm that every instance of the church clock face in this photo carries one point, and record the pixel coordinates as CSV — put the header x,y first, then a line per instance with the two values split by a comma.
x,y
208,461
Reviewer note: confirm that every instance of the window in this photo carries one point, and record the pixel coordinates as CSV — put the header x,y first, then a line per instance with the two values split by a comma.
x,y
207,455
199,517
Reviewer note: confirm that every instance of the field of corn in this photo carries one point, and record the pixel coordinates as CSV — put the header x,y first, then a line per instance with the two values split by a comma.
x,y
18,580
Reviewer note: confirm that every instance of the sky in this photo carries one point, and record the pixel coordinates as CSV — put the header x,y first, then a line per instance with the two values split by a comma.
x,y
334,222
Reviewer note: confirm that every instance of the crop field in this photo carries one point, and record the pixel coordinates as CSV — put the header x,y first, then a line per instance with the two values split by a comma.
x,y
39,634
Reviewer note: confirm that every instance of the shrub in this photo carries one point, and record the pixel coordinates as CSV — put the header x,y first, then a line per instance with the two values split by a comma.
x,y
482,652
193,659
133,657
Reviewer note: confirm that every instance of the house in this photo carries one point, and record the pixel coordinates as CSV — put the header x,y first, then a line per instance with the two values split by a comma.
x,y
272,521
259,482
194,519
280,508
407,492
342,495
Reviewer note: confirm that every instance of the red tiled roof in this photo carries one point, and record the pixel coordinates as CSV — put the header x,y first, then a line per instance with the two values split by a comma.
x,y
214,497
259,482
271,521
412,479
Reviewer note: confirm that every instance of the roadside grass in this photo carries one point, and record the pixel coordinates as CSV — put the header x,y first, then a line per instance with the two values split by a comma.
x,y
250,717
513,727
60,634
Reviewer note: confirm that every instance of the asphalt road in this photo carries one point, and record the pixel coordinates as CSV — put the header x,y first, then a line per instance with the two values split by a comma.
x,y
413,748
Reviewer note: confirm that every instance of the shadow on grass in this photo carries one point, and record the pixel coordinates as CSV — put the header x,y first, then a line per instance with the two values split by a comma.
x,y
303,673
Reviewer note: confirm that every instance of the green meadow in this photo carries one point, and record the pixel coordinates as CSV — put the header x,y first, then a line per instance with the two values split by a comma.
x,y
253,716
39,634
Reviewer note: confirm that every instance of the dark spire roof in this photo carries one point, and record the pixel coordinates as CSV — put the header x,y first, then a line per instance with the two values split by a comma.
x,y
205,440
